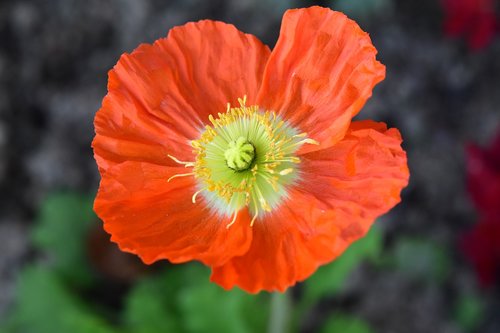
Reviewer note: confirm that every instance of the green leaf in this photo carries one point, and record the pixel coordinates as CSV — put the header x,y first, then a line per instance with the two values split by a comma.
x,y
469,312
62,226
7,327
44,305
182,299
206,307
422,259
330,279
151,306
342,323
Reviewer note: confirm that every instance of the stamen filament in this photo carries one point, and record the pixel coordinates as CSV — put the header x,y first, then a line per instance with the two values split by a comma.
x,y
286,171
245,157
193,198
253,219
233,220
180,175
186,164
310,141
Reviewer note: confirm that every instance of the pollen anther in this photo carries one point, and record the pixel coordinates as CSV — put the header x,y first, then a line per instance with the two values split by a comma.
x,y
245,158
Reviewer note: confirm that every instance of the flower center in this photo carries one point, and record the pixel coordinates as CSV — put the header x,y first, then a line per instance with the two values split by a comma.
x,y
240,154
247,158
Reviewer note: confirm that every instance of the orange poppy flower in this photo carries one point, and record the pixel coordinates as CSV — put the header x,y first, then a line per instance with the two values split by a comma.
x,y
213,148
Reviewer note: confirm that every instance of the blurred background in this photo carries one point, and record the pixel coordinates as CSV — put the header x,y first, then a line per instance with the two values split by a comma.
x,y
430,265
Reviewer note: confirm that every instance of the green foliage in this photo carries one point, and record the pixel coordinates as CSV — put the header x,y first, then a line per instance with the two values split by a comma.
x,y
422,259
208,308
330,278
44,305
342,323
469,312
62,225
182,300
151,305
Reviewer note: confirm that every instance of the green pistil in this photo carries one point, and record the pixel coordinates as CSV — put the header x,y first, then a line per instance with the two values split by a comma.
x,y
246,158
240,154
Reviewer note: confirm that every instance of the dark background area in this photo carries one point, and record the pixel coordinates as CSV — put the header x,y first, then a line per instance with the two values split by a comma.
x,y
54,58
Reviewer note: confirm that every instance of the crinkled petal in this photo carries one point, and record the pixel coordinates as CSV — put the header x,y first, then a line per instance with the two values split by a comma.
x,y
287,246
362,175
159,98
160,95
343,189
320,73
156,219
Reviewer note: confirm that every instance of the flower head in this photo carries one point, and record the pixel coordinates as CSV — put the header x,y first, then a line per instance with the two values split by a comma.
x,y
483,176
481,244
475,20
213,148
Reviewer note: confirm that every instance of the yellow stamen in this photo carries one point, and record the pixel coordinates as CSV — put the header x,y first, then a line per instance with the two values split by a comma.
x,y
233,220
180,175
310,141
245,157
193,198
253,219
306,140
286,171
186,164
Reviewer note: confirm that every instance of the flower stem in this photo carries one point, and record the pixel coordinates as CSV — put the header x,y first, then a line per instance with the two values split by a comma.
x,y
280,313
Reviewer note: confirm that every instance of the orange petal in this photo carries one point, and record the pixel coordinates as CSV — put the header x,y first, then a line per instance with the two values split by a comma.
x,y
342,191
362,176
287,246
160,95
156,219
320,73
